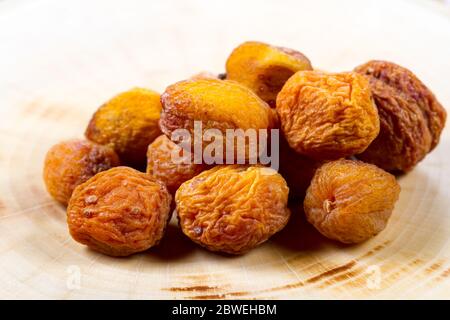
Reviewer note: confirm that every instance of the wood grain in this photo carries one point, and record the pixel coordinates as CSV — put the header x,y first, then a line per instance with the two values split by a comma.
x,y
59,62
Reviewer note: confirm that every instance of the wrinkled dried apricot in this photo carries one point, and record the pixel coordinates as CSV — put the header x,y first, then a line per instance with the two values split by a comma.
x,y
128,123
70,163
233,208
298,170
264,68
119,212
350,201
216,104
327,116
172,171
411,118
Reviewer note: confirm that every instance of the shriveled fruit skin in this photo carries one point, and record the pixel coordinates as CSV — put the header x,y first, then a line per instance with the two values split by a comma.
x,y
72,162
128,123
411,118
218,104
350,201
233,209
264,68
297,169
164,167
327,116
119,212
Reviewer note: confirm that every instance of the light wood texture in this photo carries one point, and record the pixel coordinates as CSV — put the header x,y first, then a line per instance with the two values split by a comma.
x,y
59,60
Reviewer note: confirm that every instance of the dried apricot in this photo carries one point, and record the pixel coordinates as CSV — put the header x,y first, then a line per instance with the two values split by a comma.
x,y
72,162
128,123
119,212
264,68
350,201
297,169
327,116
233,208
162,165
411,118
215,104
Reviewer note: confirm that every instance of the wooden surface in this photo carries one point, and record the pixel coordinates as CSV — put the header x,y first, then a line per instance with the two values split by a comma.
x,y
59,60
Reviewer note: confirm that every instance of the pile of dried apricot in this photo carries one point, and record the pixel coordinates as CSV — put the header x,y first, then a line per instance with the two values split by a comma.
x,y
335,141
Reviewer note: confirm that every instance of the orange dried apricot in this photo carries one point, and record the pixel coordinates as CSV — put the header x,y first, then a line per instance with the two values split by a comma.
x,y
128,123
297,169
119,212
264,68
350,201
70,163
218,105
411,118
233,208
161,163
327,116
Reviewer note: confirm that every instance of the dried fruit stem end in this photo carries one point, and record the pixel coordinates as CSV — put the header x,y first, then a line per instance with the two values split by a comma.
x,y
128,123
119,212
233,208
264,68
327,116
350,201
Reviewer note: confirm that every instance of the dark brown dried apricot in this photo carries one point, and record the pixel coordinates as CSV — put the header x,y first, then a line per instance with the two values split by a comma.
x,y
233,208
119,212
215,104
165,162
297,169
327,116
264,68
350,201
411,118
128,123
70,163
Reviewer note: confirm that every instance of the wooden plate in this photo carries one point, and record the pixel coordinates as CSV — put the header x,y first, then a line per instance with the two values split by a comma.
x,y
60,60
